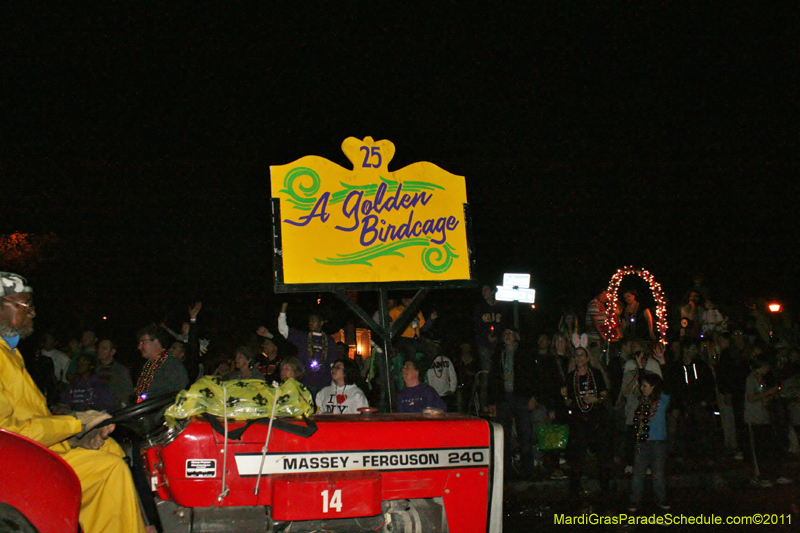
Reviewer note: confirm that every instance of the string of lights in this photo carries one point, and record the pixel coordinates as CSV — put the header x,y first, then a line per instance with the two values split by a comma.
x,y
655,288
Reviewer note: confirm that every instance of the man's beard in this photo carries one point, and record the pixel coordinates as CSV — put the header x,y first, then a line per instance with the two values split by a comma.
x,y
6,331
24,332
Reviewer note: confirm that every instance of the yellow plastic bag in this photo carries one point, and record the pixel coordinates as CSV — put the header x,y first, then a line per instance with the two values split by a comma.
x,y
244,399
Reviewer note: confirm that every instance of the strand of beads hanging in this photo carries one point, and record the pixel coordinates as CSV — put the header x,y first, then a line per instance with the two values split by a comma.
x,y
644,414
576,386
508,369
148,372
315,361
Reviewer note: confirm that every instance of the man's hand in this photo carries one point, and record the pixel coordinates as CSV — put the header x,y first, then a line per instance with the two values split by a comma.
x,y
263,332
492,410
61,409
91,439
659,354
90,419
284,307
532,403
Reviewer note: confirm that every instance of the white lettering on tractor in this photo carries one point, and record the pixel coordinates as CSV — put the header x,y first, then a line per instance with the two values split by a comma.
x,y
335,502
283,463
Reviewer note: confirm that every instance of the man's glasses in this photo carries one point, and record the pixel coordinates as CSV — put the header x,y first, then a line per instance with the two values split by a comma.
x,y
29,307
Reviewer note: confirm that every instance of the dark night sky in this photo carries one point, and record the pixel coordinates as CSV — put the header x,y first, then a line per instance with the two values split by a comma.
x,y
590,138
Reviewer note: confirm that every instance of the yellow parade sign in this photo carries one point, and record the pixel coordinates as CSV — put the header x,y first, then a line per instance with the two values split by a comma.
x,y
369,224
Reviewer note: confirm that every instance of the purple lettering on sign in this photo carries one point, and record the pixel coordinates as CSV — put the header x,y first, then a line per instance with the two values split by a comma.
x,y
364,215
368,231
318,211
375,229
351,211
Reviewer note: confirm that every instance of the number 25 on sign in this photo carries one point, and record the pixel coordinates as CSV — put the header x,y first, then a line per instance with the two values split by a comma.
x,y
375,151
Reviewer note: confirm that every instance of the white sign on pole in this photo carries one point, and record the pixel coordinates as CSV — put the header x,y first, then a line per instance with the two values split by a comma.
x,y
523,281
510,294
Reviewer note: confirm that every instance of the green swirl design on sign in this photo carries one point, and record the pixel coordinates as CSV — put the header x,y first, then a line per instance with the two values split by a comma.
x,y
429,257
381,250
433,255
369,190
306,199
391,188
416,186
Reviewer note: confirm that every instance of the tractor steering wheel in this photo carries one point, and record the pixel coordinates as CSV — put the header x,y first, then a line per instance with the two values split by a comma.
x,y
137,413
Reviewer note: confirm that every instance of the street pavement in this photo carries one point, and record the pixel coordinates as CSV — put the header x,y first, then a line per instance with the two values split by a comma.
x,y
694,490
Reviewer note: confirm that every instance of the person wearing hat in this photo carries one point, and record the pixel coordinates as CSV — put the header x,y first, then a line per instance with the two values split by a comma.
x,y
108,499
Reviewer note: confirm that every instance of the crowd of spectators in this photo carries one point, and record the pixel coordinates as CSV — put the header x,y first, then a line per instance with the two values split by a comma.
x,y
730,385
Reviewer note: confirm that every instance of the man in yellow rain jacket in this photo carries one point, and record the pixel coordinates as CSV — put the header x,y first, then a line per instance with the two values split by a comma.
x,y
108,498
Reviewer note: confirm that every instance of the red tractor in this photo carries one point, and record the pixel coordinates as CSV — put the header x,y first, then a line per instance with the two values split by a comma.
x,y
396,473
370,472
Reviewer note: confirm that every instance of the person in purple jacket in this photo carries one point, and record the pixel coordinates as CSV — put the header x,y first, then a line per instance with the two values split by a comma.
x,y
316,350
416,396
86,391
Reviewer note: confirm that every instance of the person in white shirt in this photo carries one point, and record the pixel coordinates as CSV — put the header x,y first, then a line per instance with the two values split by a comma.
x,y
60,359
442,377
342,396
712,320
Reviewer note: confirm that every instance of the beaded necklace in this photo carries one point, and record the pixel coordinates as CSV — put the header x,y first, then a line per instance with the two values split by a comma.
x,y
312,354
576,385
148,372
644,414
560,368
508,369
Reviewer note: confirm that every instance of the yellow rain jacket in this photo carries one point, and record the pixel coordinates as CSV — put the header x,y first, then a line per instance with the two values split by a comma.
x,y
108,498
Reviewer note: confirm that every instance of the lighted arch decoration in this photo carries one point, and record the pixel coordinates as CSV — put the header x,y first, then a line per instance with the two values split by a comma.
x,y
655,288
